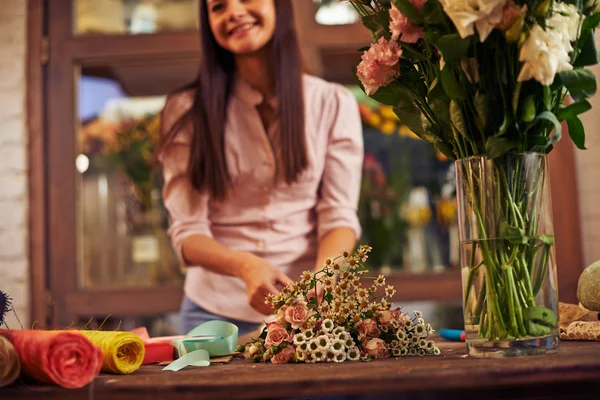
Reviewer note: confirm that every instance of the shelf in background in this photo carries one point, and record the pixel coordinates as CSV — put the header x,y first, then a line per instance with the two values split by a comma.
x,y
443,286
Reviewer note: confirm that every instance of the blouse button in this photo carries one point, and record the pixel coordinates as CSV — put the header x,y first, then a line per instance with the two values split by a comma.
x,y
260,244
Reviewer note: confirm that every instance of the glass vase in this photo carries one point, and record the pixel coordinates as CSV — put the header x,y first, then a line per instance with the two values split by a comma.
x,y
507,256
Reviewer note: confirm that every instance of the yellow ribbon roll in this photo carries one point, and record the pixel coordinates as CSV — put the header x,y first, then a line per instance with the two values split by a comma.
x,y
123,351
10,364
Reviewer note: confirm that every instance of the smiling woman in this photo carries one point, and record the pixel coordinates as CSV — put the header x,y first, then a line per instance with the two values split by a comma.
x,y
242,27
245,221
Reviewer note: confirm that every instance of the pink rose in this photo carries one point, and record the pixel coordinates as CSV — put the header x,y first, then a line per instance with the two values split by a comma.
x,y
276,334
379,65
368,327
296,315
376,348
284,356
386,318
402,28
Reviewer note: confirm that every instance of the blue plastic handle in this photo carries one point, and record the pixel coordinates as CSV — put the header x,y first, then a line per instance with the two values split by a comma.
x,y
452,334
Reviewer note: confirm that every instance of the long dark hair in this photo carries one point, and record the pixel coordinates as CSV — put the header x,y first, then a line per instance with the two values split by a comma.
x,y
207,168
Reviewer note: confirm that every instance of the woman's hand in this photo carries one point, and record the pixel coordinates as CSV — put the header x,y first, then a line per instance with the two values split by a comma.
x,y
261,279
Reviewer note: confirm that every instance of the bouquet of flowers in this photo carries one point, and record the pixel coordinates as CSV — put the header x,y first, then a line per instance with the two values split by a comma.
x,y
482,77
351,322
488,83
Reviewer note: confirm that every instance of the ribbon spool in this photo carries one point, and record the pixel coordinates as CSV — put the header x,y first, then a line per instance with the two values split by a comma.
x,y
123,351
10,364
211,339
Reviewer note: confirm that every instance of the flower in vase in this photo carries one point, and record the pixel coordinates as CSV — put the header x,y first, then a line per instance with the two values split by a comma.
x,y
276,334
512,20
284,356
380,65
404,29
566,23
376,348
471,15
543,55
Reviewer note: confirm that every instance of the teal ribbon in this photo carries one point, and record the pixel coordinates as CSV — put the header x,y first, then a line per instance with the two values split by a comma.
x,y
211,339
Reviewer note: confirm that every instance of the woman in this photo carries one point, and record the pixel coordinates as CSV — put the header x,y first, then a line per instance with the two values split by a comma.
x,y
261,165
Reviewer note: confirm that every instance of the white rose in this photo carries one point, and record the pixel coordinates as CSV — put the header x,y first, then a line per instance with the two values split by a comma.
x,y
467,15
566,23
543,56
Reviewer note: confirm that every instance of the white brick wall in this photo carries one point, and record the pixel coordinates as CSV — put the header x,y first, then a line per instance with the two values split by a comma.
x,y
14,263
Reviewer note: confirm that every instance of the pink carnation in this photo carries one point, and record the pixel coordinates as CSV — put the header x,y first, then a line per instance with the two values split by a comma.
x,y
401,27
509,15
379,65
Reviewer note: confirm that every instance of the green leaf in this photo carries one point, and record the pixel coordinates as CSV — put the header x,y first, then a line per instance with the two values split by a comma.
x,y
438,101
481,102
550,117
589,54
513,234
576,132
534,329
549,240
573,110
541,316
412,53
409,11
410,116
263,334
458,119
497,146
527,112
547,98
445,148
591,22
450,84
378,24
452,47
433,13
581,83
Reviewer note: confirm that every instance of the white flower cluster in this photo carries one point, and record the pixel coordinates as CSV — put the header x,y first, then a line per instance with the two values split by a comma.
x,y
545,53
329,316
329,344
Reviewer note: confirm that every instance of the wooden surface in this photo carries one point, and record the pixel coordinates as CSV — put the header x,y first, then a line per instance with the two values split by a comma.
x,y
575,369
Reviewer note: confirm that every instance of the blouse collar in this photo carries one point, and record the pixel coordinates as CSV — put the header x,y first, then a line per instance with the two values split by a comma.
x,y
249,95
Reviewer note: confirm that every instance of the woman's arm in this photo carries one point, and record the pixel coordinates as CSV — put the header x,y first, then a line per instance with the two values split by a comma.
x,y
338,226
190,229
334,242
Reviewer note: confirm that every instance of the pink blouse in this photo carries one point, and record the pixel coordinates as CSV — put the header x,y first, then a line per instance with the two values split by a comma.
x,y
280,223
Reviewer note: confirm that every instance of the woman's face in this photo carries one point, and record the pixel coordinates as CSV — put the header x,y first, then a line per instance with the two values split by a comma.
x,y
242,26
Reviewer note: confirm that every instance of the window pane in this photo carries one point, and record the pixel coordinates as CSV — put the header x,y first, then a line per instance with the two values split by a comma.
x,y
122,223
334,12
121,17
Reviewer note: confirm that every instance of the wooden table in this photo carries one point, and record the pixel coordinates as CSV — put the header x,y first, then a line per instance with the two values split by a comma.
x,y
572,373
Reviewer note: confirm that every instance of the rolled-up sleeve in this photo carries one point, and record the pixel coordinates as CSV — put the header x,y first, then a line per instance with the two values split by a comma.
x,y
188,209
337,205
